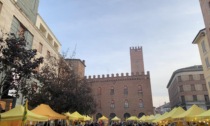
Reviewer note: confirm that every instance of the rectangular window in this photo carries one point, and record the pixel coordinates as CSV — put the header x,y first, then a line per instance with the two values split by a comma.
x,y
206,97
125,90
20,30
112,91
201,76
195,98
182,99
207,62
179,79
192,87
40,48
1,5
190,77
181,88
203,46
204,87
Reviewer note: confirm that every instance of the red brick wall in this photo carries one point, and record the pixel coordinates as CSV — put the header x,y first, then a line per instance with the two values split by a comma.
x,y
133,84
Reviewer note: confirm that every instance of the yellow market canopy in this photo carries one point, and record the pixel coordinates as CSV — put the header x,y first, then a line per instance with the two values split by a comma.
x,y
172,113
115,119
87,118
77,115
143,118
190,113
132,118
178,111
17,114
149,118
160,117
45,110
70,117
103,118
153,118
204,115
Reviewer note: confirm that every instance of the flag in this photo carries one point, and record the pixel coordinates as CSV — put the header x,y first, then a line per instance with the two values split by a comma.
x,y
25,113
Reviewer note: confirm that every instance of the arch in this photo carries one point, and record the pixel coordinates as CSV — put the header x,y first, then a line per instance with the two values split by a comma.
x,y
98,115
126,115
112,115
140,114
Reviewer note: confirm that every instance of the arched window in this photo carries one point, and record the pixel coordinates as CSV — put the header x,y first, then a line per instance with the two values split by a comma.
x,y
141,114
112,91
99,90
125,90
112,104
140,90
141,104
126,105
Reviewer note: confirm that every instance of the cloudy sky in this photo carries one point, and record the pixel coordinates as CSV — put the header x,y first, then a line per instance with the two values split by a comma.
x,y
102,31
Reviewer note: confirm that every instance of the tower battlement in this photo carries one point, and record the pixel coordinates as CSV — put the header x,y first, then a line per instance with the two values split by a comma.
x,y
136,48
119,76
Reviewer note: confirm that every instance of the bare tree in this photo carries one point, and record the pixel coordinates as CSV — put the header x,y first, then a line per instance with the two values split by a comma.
x,y
62,89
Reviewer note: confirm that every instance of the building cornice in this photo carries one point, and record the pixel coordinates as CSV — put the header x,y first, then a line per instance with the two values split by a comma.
x,y
200,33
186,69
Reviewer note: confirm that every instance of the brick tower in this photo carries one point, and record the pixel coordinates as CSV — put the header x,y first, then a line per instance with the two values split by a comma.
x,y
137,63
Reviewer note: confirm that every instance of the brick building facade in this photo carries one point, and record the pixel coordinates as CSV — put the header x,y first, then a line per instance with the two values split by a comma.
x,y
124,95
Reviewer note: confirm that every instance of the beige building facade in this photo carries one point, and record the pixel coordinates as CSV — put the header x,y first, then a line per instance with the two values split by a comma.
x,y
187,86
21,17
202,39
